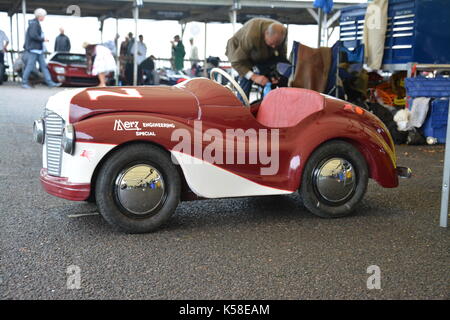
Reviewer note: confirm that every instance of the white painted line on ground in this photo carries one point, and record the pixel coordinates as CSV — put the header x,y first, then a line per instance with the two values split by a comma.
x,y
82,215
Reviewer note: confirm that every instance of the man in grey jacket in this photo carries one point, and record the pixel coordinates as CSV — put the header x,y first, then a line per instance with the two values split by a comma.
x,y
62,42
34,45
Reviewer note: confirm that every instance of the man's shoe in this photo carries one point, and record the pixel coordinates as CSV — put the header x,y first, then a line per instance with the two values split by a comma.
x,y
55,85
26,86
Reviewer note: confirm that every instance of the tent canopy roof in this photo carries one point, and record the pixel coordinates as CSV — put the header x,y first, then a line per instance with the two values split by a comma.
x,y
285,11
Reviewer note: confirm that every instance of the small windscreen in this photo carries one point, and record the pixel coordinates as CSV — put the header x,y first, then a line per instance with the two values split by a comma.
x,y
70,58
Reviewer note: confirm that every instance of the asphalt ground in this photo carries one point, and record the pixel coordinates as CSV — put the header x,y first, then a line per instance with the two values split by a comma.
x,y
246,248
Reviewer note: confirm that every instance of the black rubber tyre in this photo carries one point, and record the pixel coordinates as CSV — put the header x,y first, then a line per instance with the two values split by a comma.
x,y
313,200
105,192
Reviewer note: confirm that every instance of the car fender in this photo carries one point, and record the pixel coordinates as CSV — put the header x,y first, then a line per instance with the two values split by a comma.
x,y
363,133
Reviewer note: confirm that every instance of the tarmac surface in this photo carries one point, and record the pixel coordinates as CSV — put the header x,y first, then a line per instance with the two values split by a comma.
x,y
246,248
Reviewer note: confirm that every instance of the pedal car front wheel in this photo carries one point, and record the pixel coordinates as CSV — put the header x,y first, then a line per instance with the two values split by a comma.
x,y
334,180
138,188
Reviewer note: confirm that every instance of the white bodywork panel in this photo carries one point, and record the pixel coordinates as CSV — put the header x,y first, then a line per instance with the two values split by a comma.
x,y
209,181
60,102
80,166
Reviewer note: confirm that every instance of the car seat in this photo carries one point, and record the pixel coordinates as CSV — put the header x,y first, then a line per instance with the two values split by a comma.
x,y
286,107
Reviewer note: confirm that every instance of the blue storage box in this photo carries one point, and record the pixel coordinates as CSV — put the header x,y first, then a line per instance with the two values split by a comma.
x,y
436,123
427,87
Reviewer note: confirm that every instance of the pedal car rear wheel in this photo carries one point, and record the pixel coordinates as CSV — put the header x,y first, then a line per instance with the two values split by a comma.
x,y
334,180
138,188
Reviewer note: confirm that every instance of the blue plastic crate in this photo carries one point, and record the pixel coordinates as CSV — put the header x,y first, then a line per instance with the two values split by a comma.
x,y
439,112
436,123
427,87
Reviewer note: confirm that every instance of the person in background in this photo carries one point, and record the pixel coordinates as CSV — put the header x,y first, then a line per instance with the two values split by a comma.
x,y
62,42
112,45
100,61
130,44
148,70
124,47
194,54
141,54
178,53
193,57
141,50
123,59
259,43
4,41
34,45
129,67
19,66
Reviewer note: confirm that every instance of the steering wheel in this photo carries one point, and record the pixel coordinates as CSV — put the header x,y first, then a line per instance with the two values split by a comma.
x,y
234,84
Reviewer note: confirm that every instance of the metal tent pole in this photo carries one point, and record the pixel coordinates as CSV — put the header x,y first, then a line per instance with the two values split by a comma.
x,y
135,69
24,14
204,51
12,46
233,18
116,42
233,13
17,30
337,82
446,180
319,37
11,31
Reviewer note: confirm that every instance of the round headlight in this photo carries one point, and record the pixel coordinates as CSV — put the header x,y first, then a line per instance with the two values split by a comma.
x,y
68,139
59,70
39,131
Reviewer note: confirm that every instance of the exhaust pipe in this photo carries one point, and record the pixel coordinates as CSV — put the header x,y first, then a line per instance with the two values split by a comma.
x,y
404,172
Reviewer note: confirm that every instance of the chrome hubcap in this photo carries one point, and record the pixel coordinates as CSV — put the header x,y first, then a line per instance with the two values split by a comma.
x,y
140,189
335,180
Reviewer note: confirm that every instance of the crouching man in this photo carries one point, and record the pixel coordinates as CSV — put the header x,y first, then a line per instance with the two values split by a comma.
x,y
260,43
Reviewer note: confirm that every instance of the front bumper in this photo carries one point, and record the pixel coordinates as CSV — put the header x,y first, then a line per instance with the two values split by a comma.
x,y
60,187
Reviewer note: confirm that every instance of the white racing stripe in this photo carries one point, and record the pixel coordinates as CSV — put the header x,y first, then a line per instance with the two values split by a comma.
x,y
209,181
60,102
205,179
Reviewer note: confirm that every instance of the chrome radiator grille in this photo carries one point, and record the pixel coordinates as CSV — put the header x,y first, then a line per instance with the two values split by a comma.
x,y
54,125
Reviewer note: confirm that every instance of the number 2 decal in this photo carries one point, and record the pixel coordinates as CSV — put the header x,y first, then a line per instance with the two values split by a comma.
x,y
129,93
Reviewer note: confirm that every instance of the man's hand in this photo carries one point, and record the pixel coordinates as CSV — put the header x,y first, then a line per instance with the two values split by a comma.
x,y
259,79
274,80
